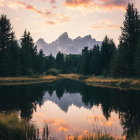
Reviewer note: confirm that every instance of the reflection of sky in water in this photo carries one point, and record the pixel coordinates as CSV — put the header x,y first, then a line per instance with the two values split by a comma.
x,y
70,116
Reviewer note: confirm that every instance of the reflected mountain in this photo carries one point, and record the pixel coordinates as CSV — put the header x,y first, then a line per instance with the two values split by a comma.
x,y
66,100
25,98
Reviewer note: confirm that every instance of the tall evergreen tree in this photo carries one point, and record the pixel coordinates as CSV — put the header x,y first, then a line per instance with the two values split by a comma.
x,y
59,60
107,52
125,62
137,59
8,45
85,59
28,54
49,62
15,57
95,61
40,65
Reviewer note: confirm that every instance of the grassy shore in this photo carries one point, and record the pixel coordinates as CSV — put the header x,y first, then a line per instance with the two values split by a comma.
x,y
26,80
89,80
35,79
114,83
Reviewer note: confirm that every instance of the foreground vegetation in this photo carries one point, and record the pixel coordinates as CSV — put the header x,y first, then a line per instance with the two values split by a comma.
x,y
14,128
100,136
97,136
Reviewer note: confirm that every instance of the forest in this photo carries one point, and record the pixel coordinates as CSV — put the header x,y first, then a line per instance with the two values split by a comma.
x,y
23,59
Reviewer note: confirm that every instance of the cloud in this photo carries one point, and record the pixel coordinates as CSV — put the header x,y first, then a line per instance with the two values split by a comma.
x,y
1,3
77,3
54,7
58,125
59,19
55,18
20,4
62,18
51,22
105,24
98,4
52,1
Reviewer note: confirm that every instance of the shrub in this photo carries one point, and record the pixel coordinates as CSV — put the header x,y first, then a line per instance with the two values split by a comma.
x,y
14,128
53,72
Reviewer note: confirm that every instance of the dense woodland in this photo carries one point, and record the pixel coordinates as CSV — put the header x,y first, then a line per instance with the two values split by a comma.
x,y
23,59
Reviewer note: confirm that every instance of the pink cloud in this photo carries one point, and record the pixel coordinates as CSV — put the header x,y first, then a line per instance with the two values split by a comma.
x,y
20,4
98,4
1,3
59,19
105,24
52,1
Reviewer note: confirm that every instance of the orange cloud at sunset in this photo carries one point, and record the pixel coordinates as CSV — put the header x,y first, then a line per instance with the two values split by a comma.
x,y
98,4
52,1
51,22
1,3
55,18
77,3
20,4
105,24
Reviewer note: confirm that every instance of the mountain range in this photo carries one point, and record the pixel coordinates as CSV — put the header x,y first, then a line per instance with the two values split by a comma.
x,y
66,44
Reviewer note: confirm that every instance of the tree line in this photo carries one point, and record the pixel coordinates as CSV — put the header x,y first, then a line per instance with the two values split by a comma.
x,y
18,58
108,59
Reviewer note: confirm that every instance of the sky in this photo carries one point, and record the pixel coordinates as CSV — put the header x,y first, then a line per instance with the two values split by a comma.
x,y
48,19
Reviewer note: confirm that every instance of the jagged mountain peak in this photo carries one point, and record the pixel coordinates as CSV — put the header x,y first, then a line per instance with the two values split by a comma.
x,y
87,37
78,38
67,45
63,36
41,40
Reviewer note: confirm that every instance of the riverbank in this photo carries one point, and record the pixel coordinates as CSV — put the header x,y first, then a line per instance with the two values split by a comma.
x,y
124,84
35,80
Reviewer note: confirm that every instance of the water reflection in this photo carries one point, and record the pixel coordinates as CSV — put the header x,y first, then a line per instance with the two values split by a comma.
x,y
61,97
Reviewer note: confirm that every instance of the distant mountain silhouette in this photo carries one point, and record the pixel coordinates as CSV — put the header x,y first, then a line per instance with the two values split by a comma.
x,y
66,44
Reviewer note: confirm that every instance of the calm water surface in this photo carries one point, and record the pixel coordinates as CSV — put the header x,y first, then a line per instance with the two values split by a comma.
x,y
70,107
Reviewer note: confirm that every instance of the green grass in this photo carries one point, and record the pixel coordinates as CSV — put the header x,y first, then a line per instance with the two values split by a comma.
x,y
14,128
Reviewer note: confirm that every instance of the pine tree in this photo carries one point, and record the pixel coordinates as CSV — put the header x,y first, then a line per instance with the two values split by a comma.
x,y
40,62
49,62
28,54
137,59
15,57
59,61
95,61
125,62
107,52
85,59
7,47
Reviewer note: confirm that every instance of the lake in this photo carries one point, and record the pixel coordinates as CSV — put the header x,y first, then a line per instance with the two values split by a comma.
x,y
70,107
